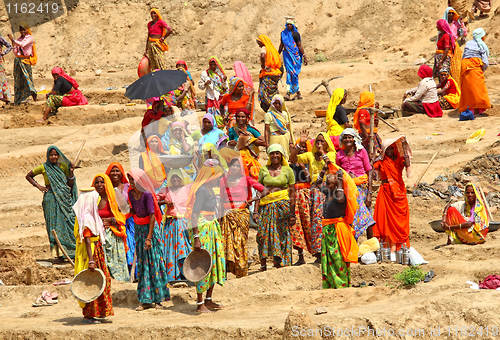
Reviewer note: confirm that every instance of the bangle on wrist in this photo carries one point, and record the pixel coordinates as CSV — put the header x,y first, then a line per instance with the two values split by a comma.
x,y
196,236
91,262
148,239
34,183
71,177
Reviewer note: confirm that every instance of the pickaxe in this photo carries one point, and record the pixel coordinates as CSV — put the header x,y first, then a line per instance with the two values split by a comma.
x,y
325,83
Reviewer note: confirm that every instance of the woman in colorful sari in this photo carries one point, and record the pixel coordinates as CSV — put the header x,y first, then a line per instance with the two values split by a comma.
x,y
247,140
182,64
466,222
270,73
336,115
214,81
59,195
293,54
239,95
181,143
185,94
4,85
474,62
361,122
322,152
25,52
65,92
114,224
90,240
151,164
278,125
353,158
152,287
206,232
209,151
392,212
235,199
118,178
423,98
448,91
276,211
210,132
158,31
445,47
174,231
338,247
458,33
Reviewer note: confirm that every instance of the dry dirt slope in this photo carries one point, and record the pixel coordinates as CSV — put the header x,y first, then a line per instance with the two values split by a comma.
x,y
111,34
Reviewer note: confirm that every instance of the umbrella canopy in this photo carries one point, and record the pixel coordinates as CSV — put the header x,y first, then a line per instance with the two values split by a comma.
x,y
156,84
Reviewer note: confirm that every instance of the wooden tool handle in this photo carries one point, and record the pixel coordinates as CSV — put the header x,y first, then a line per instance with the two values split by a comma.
x,y
425,170
75,162
485,203
62,248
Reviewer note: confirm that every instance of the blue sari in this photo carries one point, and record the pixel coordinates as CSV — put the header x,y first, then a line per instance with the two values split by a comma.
x,y
292,59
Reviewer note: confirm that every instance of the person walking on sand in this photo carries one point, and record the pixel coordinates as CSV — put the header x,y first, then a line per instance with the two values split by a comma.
x,y
293,56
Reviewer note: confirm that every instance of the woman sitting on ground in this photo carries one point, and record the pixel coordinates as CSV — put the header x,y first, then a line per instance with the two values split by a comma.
x,y
247,140
466,222
238,96
90,239
423,98
114,224
65,92
449,91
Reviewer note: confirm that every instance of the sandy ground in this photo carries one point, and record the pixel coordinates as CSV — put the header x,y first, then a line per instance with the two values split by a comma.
x,y
257,306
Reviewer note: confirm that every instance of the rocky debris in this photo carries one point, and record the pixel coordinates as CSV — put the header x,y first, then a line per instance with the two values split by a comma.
x,y
488,166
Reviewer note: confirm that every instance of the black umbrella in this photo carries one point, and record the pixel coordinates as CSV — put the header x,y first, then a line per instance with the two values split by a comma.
x,y
156,84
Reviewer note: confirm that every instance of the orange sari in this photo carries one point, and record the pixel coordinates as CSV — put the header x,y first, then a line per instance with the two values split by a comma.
x,y
474,92
392,212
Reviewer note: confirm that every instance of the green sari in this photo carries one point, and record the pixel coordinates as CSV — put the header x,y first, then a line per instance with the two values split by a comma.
x,y
58,204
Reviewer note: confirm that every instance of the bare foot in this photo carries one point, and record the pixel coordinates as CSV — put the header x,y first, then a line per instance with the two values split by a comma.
x,y
263,268
202,309
212,305
34,96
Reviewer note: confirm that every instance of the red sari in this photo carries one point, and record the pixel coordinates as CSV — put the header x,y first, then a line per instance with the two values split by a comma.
x,y
392,212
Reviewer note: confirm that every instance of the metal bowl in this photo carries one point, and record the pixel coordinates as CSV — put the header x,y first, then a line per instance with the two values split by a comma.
x,y
175,161
436,226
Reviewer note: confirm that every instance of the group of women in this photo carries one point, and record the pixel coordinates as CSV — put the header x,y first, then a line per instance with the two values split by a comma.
x,y
461,82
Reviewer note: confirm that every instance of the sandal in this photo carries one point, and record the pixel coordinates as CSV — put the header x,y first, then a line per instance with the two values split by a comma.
x,y
429,276
41,120
143,307
91,321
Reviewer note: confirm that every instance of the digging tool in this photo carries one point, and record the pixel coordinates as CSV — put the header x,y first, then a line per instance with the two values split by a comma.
x,y
382,119
425,170
325,83
62,248
132,272
486,203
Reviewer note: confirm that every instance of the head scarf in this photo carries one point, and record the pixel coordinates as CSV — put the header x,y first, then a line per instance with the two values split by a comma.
x,y
452,10
281,123
424,71
57,178
229,154
185,179
357,138
157,11
120,230
59,71
350,191
329,145
398,150
34,58
183,63
120,167
213,150
87,216
245,111
273,60
481,219
366,99
205,175
337,96
279,148
143,183
160,145
443,25
478,34
213,136
220,70
290,21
